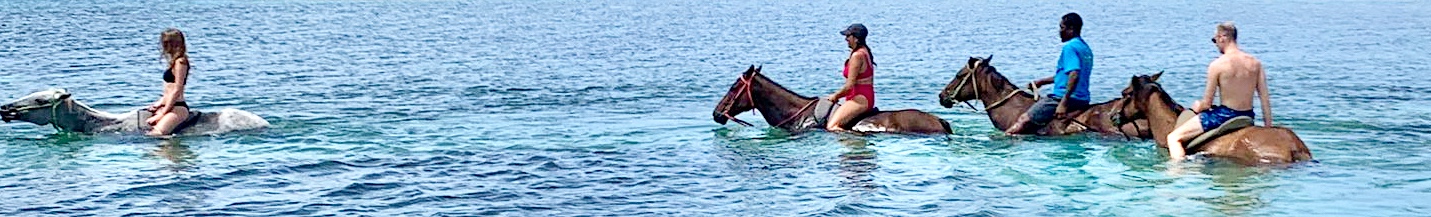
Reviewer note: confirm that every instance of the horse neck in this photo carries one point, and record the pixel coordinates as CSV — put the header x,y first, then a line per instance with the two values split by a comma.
x,y
776,104
1162,115
78,117
993,88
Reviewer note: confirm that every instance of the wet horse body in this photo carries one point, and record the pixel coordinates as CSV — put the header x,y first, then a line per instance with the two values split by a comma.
x,y
1253,145
56,108
1004,103
787,110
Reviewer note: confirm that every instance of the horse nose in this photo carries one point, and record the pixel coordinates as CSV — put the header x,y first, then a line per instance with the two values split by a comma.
x,y
946,102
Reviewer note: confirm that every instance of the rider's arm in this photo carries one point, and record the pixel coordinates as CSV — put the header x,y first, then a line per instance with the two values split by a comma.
x,y
1068,92
1043,81
1212,75
171,95
856,66
1266,99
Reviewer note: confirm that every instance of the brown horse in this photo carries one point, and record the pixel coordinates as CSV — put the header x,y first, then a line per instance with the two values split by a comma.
x,y
1247,146
786,110
1005,102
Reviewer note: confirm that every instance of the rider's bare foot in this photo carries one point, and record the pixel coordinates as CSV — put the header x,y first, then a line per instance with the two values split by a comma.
x,y
157,135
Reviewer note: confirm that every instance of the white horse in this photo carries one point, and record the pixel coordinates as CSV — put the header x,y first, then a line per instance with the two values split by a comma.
x,y
55,107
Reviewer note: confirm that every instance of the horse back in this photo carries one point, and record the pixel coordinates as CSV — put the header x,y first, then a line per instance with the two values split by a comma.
x,y
1259,145
908,121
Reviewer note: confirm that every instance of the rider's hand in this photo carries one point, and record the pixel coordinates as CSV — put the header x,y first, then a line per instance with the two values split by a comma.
x,y
1059,112
1199,106
833,98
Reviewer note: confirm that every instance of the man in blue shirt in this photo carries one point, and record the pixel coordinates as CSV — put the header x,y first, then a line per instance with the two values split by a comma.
x,y
1070,80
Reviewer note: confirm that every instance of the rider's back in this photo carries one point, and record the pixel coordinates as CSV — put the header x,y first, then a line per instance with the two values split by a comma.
x,y
1238,80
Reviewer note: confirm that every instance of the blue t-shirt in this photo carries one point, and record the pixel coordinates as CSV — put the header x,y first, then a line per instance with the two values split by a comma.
x,y
1075,56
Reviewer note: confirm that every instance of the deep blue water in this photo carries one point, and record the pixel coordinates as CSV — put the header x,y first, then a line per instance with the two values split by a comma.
x,y
541,108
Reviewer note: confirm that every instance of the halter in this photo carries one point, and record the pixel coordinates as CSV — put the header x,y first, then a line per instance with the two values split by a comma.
x,y
744,87
1118,111
54,106
745,84
975,79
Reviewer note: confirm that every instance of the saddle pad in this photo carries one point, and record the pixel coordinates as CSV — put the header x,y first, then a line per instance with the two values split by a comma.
x,y
1230,126
822,111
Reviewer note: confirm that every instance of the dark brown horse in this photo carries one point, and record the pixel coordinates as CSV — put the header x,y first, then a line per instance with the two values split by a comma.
x,y
1248,146
1005,102
786,110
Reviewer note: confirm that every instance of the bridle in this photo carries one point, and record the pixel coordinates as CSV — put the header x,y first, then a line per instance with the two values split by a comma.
x,y
53,106
972,78
744,86
1118,116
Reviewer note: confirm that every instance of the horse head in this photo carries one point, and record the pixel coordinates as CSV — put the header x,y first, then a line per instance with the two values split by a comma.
x,y
738,99
1136,95
37,108
962,88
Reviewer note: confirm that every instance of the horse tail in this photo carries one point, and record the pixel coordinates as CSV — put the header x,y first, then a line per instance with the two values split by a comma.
x,y
947,129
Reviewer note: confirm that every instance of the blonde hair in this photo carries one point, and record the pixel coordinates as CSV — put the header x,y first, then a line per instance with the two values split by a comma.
x,y
171,44
1227,28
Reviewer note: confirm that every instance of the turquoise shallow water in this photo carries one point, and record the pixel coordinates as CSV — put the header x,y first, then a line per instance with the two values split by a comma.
x,y
539,108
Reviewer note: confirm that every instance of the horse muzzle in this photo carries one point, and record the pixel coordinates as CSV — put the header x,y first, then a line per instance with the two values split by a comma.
x,y
946,102
719,119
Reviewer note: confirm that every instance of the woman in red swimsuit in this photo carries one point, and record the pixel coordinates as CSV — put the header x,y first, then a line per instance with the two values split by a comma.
x,y
858,90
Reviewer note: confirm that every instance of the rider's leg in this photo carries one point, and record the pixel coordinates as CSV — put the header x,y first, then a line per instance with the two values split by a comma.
x,y
170,120
850,108
1176,150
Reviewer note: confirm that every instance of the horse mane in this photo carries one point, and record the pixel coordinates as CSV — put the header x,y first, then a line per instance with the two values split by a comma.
x,y
1105,102
994,73
777,85
1167,99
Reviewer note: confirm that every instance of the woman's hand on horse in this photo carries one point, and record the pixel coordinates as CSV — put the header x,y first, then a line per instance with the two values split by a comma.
x,y
833,98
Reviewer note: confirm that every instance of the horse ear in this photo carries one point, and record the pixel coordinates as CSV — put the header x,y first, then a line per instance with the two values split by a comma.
x,y
757,69
972,60
989,59
1157,75
64,95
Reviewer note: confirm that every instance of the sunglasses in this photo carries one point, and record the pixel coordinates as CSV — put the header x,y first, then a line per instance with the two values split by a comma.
x,y
1214,40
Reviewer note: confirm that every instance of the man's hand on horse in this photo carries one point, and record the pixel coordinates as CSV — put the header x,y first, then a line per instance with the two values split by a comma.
x,y
1060,112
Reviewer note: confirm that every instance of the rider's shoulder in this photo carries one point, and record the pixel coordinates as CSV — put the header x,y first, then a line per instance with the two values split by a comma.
x,y
860,55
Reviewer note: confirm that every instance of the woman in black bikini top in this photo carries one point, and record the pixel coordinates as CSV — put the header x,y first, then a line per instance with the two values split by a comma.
x,y
171,110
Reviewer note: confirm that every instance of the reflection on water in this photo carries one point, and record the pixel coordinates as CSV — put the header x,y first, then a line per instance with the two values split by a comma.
x,y
856,164
176,152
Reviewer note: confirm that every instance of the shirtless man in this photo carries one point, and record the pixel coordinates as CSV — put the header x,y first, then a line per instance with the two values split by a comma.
x,y
1236,75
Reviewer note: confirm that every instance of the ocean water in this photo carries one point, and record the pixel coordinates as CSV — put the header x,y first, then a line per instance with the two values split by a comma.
x,y
563,108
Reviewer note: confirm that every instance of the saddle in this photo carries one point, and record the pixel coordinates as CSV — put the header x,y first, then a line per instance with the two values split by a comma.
x,y
194,117
824,108
1230,126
